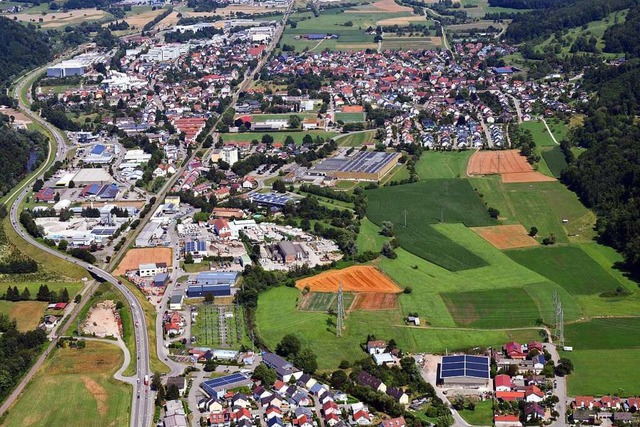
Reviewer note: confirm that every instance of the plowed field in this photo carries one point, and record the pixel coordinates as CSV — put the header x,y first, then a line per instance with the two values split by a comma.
x,y
508,163
374,301
353,279
506,236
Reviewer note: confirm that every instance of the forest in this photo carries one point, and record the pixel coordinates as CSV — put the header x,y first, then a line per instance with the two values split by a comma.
x,y
17,148
21,48
625,37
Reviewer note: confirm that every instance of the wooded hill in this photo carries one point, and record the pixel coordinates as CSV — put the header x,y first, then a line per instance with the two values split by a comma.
x,y
21,48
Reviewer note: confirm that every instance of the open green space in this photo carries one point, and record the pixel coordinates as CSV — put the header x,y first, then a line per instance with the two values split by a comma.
x,y
539,133
369,238
443,164
349,117
492,308
555,160
196,267
600,334
482,414
72,287
220,326
357,139
569,267
27,314
604,372
75,387
412,207
317,330
278,136
410,43
326,301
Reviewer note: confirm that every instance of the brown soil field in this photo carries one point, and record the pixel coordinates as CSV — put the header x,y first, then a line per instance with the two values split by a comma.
x,y
506,236
26,313
19,115
98,392
381,6
509,163
143,18
353,279
135,257
401,21
167,22
58,18
374,301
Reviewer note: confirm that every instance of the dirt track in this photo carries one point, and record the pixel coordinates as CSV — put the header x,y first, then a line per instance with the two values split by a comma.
x,y
508,163
506,236
353,279
135,257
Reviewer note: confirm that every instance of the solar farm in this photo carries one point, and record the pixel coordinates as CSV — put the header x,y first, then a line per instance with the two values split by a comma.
x,y
228,382
218,326
366,166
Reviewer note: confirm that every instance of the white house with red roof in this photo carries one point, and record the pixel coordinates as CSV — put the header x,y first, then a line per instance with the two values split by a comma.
x,y
503,382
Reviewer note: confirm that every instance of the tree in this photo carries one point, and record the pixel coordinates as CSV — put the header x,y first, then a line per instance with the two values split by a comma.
x,y
294,121
156,382
44,294
289,346
209,297
267,140
493,212
306,360
533,232
72,184
338,379
64,296
264,374
188,258
63,244
26,295
387,229
344,364
279,186
77,299
305,224
173,392
564,367
551,240
388,251
56,198
289,140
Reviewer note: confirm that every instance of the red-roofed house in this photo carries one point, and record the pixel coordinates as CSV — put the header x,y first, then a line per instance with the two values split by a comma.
x,y
394,422
584,402
331,420
221,227
533,394
376,347
362,417
514,350
535,345
634,401
610,402
45,195
510,396
503,382
507,421
256,51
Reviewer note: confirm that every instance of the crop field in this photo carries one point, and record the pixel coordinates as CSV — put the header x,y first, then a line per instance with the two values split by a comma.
x,y
619,375
317,329
612,333
443,164
27,314
506,236
492,308
411,43
55,19
349,117
140,18
555,159
79,386
219,326
568,266
135,257
375,301
430,202
353,279
325,301
509,164
357,139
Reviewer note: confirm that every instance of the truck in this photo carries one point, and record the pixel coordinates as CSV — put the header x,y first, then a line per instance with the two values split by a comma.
x,y
146,380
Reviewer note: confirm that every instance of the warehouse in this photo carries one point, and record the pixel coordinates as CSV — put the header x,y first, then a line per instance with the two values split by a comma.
x,y
66,69
149,234
89,175
464,371
218,386
270,199
363,166
212,282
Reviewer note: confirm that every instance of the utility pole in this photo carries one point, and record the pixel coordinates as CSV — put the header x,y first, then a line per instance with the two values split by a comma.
x,y
405,218
340,322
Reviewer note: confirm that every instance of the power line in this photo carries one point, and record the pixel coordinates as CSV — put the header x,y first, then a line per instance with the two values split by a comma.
x,y
340,322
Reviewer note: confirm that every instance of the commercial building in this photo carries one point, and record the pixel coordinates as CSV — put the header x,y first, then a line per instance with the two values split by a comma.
x,y
465,371
152,269
218,386
229,155
270,199
363,166
215,283
66,69
149,234
90,175
136,157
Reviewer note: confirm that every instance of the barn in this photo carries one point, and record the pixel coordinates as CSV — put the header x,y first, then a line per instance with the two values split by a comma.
x,y
464,371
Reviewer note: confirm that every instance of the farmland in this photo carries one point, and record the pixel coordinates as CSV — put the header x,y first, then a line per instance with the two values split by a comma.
x,y
219,326
430,202
555,159
355,279
26,313
325,301
79,386
443,164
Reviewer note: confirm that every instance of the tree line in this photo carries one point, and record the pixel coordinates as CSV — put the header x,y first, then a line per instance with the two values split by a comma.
x,y
44,294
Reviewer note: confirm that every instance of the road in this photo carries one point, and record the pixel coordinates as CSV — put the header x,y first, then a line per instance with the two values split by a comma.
x,y
553,137
517,105
561,387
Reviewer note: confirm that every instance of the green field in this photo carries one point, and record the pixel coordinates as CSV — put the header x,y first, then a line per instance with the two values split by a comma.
x,y
27,314
492,308
482,415
357,139
317,330
72,287
539,133
554,157
325,301
600,334
277,136
409,43
79,387
430,202
349,117
568,266
210,324
604,372
369,238
443,164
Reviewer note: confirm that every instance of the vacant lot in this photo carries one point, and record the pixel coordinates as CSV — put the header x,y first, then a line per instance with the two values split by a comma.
x,y
492,308
325,301
26,313
568,266
80,387
506,236
431,202
135,257
539,133
353,279
349,117
509,164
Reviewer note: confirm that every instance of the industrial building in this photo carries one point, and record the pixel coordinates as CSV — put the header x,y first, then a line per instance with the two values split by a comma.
x,y
218,386
464,371
362,166
149,234
136,157
270,199
212,282
151,269
89,175
287,252
66,69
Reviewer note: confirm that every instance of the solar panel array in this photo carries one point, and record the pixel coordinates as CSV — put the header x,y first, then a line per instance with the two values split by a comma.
x,y
465,366
271,199
368,162
98,231
210,386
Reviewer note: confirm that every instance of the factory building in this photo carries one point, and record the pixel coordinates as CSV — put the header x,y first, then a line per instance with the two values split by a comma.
x,y
216,283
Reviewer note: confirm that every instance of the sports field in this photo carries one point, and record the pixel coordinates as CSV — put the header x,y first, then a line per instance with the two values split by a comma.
x,y
27,314
135,257
509,164
506,236
79,388
431,202
359,278
220,326
325,301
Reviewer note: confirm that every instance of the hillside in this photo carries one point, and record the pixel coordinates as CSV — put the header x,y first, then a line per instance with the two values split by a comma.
x,y
21,48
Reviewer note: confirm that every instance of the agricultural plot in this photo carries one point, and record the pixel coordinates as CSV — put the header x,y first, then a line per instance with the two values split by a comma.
x,y
357,139
509,164
411,43
27,314
375,301
443,164
352,279
325,301
430,202
506,236
568,266
219,326
80,384
554,157
349,117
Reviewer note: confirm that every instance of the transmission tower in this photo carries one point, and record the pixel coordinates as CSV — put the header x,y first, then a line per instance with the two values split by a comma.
x,y
340,322
561,327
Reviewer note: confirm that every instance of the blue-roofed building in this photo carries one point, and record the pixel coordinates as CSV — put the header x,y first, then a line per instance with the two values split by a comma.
x,y
270,199
216,283
109,192
196,248
465,371
217,387
316,36
98,149
91,190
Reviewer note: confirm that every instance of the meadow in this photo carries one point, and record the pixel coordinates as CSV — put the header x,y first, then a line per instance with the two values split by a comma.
x,y
443,164
349,117
27,314
356,139
369,238
539,133
278,136
618,374
77,385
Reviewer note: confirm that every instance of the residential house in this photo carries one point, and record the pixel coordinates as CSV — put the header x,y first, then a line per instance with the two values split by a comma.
x,y
362,417
365,378
394,422
506,421
240,400
179,382
533,411
273,411
399,395
584,402
502,382
514,350
209,404
284,369
509,396
533,394
376,347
